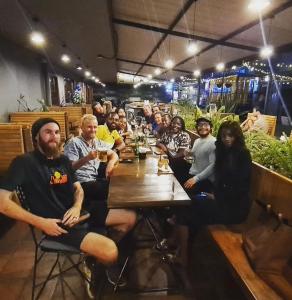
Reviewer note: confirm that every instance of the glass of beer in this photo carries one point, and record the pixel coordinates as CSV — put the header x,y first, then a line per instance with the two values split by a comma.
x,y
102,154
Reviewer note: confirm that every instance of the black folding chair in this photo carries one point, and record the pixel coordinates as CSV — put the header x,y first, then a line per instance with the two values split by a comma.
x,y
44,245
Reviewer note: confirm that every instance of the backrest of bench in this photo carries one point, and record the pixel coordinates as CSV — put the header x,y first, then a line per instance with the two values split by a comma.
x,y
74,112
31,117
272,188
11,139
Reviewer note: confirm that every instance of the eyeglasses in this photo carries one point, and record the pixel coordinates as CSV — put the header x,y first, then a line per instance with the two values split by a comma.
x,y
203,125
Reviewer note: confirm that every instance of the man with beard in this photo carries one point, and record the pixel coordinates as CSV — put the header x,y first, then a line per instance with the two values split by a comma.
x,y
200,176
53,194
108,133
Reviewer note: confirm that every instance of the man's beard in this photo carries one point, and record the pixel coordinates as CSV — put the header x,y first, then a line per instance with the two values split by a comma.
x,y
48,150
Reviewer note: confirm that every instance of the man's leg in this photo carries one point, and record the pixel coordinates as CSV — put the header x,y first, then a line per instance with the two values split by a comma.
x,y
101,247
122,220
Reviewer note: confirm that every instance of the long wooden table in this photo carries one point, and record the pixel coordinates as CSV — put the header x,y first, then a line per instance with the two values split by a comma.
x,y
139,185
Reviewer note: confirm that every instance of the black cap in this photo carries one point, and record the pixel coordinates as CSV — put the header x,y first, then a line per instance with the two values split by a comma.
x,y
203,119
38,124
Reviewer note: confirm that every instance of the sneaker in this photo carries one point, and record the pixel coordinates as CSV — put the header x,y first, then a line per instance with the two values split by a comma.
x,y
113,273
88,266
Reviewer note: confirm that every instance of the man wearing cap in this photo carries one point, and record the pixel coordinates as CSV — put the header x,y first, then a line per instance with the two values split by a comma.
x,y
54,195
200,176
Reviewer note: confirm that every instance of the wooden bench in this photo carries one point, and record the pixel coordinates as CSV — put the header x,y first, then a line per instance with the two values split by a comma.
x,y
31,117
273,189
11,139
230,243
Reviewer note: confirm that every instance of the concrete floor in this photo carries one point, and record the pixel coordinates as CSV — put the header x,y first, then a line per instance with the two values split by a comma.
x,y
209,275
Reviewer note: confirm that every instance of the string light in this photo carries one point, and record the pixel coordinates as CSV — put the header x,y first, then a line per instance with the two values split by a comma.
x,y
157,71
87,73
220,66
197,73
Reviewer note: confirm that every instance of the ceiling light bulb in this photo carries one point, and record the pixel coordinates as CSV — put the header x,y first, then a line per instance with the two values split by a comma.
x,y
233,67
220,66
37,38
169,64
65,58
149,76
93,77
172,80
97,80
267,52
79,68
157,71
197,73
87,73
258,5
182,78
192,47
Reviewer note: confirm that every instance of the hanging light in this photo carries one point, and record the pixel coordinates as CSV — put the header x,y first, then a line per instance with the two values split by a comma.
x,y
192,47
220,66
37,38
96,80
197,73
157,71
258,5
172,80
267,51
87,73
93,77
149,76
79,68
65,58
169,63
234,67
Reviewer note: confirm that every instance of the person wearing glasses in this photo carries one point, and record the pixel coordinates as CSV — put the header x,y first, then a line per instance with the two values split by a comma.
x,y
201,173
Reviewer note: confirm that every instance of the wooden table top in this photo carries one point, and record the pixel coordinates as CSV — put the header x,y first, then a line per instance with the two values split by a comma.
x,y
139,184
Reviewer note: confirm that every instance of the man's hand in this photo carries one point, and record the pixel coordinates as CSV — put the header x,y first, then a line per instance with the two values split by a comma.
x,y
51,227
92,155
190,183
163,148
71,216
109,169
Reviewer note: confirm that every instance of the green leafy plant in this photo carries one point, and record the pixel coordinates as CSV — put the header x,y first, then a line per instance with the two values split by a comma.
x,y
270,152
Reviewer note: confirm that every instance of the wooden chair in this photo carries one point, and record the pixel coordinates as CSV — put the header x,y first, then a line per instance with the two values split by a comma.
x,y
31,117
11,139
271,122
44,245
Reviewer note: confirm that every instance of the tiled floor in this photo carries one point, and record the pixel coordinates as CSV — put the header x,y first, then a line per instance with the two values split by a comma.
x,y
210,278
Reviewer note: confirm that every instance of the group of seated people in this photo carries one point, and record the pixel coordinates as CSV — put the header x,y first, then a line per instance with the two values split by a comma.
x,y
58,186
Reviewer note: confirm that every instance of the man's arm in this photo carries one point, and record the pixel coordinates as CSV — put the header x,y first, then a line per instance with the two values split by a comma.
x,y
113,159
9,208
72,215
119,144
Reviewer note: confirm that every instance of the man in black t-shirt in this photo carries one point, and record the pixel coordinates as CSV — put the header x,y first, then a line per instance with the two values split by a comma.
x,y
54,195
